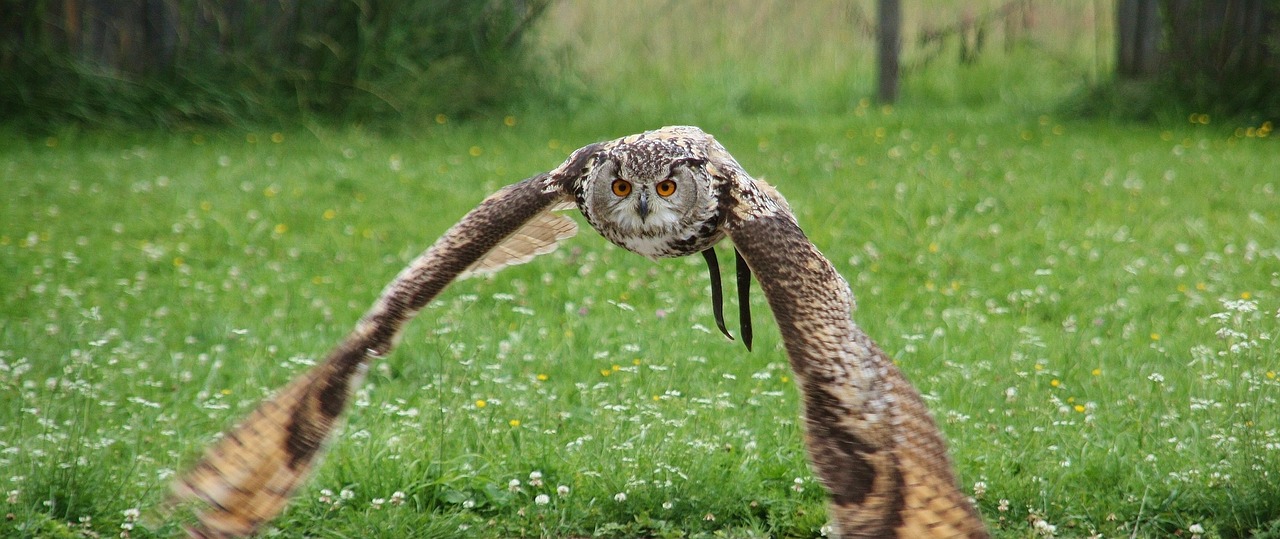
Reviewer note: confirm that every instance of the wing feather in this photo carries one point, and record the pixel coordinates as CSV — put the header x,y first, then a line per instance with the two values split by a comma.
x,y
541,235
869,435
248,476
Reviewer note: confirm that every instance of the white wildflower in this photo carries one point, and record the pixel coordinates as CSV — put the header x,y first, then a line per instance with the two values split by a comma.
x,y
542,499
620,497
1044,528
1240,306
130,516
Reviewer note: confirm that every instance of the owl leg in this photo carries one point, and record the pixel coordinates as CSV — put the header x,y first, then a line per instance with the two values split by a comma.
x,y
744,299
717,296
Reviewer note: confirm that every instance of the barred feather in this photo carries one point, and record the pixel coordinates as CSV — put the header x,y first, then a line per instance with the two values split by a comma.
x,y
247,477
870,438
541,235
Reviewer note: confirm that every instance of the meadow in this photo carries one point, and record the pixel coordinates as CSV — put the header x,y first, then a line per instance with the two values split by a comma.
x,y
1090,309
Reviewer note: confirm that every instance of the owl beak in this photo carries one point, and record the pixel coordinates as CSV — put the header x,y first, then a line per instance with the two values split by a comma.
x,y
643,209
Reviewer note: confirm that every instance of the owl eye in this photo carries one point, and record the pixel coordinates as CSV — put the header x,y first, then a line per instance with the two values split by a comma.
x,y
621,188
665,188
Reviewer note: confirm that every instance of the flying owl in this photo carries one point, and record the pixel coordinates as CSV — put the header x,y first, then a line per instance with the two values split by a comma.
x,y
670,192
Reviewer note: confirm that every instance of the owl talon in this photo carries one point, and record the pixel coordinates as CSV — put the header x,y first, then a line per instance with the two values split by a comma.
x,y
744,299
717,296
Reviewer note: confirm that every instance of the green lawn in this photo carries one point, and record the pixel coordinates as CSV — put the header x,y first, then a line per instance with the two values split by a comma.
x,y
1089,308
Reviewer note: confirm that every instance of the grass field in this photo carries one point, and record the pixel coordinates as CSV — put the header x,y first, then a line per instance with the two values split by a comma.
x,y
1089,308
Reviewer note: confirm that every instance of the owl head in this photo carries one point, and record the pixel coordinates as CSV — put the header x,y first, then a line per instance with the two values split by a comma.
x,y
652,193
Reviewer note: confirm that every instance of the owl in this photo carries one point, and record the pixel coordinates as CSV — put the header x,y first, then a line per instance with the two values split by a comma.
x,y
665,193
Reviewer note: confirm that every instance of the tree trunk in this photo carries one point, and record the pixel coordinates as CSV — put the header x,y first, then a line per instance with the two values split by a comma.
x,y
889,43
1222,36
1225,54
1138,27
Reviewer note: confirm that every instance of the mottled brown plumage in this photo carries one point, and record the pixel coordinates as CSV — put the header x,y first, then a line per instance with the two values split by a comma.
x,y
248,476
664,193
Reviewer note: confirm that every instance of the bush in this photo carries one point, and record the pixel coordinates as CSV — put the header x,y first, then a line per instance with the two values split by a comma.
x,y
1186,59
166,62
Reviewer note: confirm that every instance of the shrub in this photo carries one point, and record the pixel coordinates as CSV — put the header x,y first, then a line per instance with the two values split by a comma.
x,y
165,62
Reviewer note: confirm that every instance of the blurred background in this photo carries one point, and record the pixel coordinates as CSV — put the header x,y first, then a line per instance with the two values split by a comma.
x,y
165,63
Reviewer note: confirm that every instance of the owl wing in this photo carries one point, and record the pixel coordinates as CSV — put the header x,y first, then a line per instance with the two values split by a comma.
x,y
247,476
869,435
539,236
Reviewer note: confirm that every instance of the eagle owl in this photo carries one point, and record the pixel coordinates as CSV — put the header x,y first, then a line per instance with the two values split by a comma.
x,y
670,192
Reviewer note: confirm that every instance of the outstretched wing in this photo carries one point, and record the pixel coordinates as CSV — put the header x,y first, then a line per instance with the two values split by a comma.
x,y
869,435
247,477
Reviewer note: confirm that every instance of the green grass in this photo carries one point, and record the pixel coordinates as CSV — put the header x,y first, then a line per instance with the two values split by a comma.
x,y
1053,286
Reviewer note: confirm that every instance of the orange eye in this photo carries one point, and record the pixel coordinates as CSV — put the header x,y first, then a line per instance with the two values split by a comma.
x,y
665,188
621,188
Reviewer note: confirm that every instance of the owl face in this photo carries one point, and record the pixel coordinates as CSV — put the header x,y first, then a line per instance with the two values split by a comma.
x,y
651,196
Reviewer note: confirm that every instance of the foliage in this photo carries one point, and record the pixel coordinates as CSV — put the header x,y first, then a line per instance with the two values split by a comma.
x,y
1224,57
1220,59
171,63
